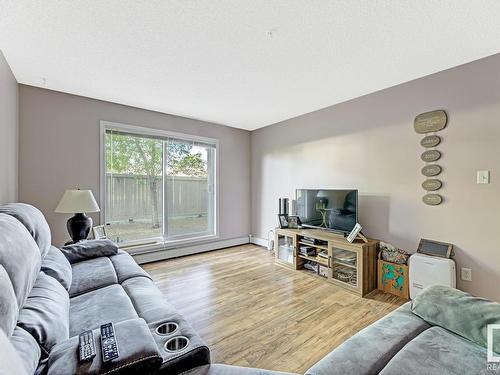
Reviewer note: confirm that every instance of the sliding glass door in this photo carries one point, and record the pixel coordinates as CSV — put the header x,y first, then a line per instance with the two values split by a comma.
x,y
189,195
158,187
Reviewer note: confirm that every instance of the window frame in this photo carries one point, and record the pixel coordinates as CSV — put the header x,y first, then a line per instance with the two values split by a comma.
x,y
141,130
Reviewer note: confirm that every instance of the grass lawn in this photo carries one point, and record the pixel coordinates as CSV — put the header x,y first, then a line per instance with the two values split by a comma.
x,y
126,231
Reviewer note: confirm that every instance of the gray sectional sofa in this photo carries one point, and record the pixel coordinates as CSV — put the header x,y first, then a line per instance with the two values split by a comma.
x,y
46,302
48,296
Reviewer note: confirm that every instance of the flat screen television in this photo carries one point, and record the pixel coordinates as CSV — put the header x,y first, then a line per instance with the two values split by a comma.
x,y
335,210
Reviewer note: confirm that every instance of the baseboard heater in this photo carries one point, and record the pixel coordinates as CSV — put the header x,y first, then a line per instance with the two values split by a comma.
x,y
155,251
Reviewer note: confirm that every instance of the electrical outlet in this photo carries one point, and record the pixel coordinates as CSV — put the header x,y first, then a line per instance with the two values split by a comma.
x,y
466,274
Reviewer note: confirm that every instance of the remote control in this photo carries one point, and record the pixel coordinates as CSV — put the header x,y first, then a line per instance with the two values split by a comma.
x,y
87,346
109,346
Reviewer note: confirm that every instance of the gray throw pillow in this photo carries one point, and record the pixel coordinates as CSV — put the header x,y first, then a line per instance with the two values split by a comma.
x,y
56,265
88,249
458,312
45,315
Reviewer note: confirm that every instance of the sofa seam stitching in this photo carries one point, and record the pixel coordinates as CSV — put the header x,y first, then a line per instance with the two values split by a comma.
x,y
131,363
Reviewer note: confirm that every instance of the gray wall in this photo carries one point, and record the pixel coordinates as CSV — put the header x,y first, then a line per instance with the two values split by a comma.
x,y
59,149
369,144
8,133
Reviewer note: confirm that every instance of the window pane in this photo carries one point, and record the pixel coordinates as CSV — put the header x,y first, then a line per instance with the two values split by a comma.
x,y
134,204
188,191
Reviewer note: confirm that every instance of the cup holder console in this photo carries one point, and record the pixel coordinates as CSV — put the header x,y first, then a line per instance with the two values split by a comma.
x,y
167,328
176,344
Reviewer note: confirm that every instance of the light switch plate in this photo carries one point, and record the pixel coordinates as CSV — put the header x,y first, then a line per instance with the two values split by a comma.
x,y
466,274
483,177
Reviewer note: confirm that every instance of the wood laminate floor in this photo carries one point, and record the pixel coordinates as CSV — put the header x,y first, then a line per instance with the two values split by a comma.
x,y
252,312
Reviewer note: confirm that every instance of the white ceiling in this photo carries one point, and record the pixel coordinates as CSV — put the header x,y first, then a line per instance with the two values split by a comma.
x,y
245,64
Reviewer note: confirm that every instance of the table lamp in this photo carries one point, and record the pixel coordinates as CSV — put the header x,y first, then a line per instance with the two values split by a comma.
x,y
78,202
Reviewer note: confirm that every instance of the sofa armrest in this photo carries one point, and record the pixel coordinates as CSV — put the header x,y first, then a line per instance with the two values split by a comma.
x,y
138,353
88,249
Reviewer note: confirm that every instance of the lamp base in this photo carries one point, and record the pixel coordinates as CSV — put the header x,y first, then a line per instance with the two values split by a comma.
x,y
79,227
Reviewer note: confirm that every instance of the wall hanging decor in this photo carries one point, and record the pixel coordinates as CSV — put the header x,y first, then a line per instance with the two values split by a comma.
x,y
430,156
431,170
432,184
430,141
432,199
429,122
425,123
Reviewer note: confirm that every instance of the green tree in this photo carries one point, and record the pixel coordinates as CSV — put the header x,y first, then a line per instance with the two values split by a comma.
x,y
144,156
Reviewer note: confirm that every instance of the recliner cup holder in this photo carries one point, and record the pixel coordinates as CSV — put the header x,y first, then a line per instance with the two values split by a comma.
x,y
167,328
176,344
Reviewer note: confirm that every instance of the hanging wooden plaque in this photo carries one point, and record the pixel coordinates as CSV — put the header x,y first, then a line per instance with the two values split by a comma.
x,y
430,156
430,122
430,141
431,170
432,184
432,199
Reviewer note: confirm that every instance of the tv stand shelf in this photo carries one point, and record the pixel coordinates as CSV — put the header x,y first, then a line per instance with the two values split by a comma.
x,y
351,266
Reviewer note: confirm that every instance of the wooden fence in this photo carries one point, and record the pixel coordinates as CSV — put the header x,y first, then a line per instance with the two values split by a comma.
x,y
130,197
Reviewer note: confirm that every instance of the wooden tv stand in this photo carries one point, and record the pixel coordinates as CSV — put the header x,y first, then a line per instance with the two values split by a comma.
x,y
352,266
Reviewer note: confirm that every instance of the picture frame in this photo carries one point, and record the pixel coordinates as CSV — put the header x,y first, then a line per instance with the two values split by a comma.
x,y
354,233
294,222
283,221
435,248
99,232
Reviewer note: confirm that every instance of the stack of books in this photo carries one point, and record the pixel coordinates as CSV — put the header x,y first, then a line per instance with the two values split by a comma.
x,y
307,250
323,254
308,240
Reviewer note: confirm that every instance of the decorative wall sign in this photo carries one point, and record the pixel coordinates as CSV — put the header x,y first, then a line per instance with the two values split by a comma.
x,y
431,170
432,184
430,141
430,122
432,199
430,156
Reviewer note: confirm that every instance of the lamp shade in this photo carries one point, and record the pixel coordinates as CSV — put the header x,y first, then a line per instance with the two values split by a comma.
x,y
77,201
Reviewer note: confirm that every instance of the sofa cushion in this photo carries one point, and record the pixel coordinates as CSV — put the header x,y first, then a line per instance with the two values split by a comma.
x,y
147,299
458,312
372,348
90,310
45,315
8,304
20,265
10,361
27,348
437,351
92,274
56,265
88,249
34,221
126,267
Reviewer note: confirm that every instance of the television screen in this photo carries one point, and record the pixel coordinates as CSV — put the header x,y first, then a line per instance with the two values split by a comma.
x,y
335,210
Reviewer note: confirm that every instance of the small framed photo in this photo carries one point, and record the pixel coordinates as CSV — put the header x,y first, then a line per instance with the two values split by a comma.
x,y
283,219
99,232
294,222
354,233
435,248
